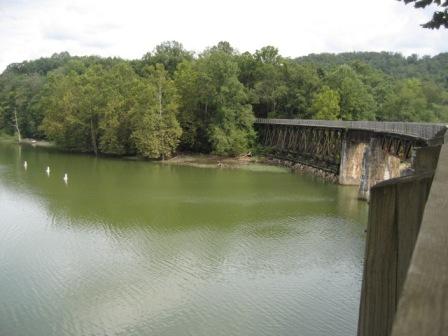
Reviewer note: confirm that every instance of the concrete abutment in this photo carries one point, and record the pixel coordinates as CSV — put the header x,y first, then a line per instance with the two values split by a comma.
x,y
352,154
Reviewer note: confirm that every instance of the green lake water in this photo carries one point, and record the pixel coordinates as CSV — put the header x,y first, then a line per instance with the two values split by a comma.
x,y
141,248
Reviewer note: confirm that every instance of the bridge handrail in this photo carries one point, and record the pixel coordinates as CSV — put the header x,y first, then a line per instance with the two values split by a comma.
x,y
425,131
424,299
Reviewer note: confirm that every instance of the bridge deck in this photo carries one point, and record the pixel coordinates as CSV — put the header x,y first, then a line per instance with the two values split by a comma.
x,y
424,131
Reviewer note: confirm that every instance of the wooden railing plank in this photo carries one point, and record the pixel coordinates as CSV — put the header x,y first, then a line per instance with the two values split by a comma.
x,y
423,306
378,288
395,212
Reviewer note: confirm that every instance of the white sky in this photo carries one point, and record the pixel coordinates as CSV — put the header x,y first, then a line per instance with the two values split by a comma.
x,y
30,29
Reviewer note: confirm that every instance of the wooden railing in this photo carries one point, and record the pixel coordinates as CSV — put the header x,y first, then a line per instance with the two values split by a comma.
x,y
405,283
424,131
395,213
423,306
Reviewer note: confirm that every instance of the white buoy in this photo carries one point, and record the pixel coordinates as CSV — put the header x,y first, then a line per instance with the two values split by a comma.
x,y
25,165
48,170
65,178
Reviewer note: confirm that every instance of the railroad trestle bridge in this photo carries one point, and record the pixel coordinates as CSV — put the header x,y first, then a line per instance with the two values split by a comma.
x,y
355,152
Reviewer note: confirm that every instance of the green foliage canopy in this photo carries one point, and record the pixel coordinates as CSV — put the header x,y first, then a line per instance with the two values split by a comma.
x,y
325,104
112,111
171,99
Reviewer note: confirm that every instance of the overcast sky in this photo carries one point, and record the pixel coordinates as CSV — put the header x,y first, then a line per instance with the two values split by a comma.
x,y
128,28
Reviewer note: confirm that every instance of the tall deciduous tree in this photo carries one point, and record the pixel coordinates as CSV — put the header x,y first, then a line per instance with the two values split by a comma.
x,y
326,104
356,101
168,53
62,122
156,129
115,125
113,111
407,102
216,101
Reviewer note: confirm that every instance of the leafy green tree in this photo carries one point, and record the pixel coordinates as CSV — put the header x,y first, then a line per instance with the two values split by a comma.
x,y
113,111
231,119
247,65
231,129
407,102
440,16
168,53
115,126
222,46
193,105
214,103
155,136
19,103
62,122
356,102
279,87
326,104
268,55
270,87
302,82
437,99
156,129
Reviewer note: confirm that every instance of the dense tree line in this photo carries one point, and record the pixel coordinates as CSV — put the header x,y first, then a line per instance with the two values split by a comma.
x,y
172,99
393,64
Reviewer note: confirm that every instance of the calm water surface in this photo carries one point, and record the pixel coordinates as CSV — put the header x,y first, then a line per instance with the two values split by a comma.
x,y
139,248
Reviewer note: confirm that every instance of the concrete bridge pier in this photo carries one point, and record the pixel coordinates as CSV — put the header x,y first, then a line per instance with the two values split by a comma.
x,y
365,163
352,153
377,166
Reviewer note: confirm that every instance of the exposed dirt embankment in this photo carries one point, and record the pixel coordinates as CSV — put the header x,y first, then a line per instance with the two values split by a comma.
x,y
210,161
301,169
215,161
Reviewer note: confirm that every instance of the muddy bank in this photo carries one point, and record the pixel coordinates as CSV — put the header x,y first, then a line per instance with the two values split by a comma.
x,y
299,168
211,161
215,161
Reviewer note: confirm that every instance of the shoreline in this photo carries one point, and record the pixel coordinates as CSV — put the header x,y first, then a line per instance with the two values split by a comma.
x,y
210,160
302,169
36,143
215,161
200,160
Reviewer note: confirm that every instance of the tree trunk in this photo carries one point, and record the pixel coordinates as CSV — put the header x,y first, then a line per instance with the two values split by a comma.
x,y
93,133
17,125
160,98
161,121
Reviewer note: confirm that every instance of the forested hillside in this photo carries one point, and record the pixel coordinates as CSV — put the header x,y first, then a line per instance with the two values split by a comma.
x,y
172,99
394,64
